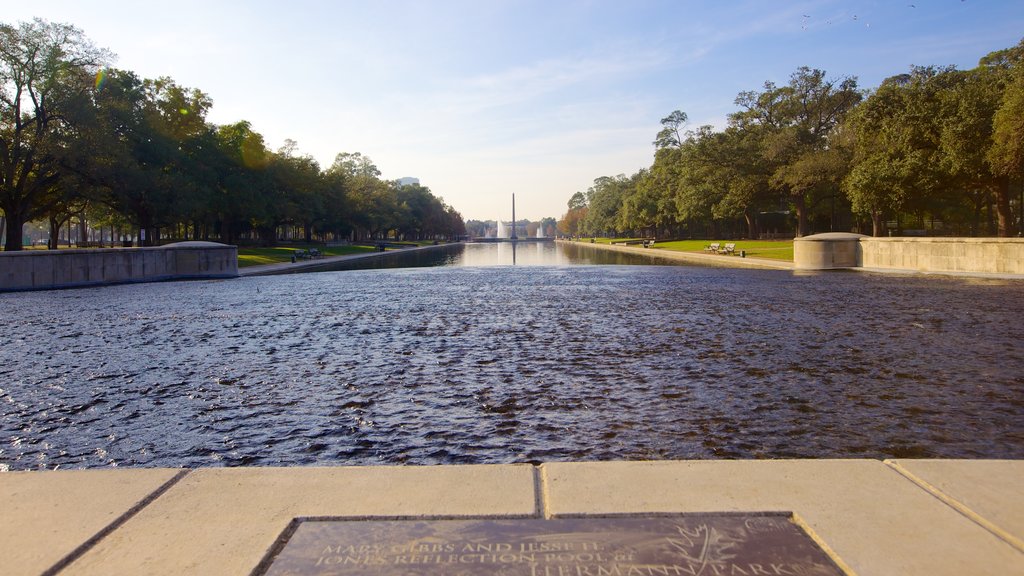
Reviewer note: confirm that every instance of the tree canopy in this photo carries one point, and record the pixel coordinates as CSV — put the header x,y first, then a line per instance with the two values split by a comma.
x,y
935,148
139,155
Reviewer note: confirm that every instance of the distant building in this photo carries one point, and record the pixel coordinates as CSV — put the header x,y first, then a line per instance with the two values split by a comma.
x,y
408,181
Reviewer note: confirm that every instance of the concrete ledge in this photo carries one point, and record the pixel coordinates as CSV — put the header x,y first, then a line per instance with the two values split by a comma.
x,y
1000,257
46,270
223,521
968,255
328,261
45,516
990,492
871,517
903,517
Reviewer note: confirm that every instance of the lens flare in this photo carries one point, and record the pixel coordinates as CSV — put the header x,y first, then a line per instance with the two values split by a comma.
x,y
101,79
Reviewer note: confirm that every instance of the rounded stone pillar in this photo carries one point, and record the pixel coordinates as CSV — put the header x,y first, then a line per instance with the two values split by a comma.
x,y
827,251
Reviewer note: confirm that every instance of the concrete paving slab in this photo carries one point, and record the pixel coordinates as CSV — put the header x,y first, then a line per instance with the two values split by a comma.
x,y
872,518
989,491
44,516
223,521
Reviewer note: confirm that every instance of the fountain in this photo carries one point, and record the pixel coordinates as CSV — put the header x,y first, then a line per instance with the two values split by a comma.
x,y
502,231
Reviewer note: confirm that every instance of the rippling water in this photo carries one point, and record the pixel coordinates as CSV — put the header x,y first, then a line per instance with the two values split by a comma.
x,y
512,364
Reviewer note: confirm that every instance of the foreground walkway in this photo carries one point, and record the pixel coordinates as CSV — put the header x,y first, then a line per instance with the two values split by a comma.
x,y
900,517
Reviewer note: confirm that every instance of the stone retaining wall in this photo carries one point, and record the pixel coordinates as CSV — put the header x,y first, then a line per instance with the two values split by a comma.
x,y
970,255
940,255
44,270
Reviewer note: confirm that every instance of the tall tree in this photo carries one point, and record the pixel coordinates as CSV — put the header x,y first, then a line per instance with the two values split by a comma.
x,y
243,182
796,123
45,71
1007,152
1006,155
149,149
671,133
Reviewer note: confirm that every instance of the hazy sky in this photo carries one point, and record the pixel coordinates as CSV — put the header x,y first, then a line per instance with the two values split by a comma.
x,y
484,98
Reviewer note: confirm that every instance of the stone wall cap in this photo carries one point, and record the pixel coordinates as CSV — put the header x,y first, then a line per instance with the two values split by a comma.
x,y
946,239
832,236
196,244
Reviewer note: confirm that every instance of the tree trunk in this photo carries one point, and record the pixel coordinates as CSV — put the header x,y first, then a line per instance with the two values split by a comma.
x,y
1004,215
15,223
751,224
876,223
54,234
801,215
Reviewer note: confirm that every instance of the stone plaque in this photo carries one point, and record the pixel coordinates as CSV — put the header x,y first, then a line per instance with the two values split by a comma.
x,y
680,545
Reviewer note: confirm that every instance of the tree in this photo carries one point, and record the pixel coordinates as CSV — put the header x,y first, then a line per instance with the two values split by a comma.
x,y
243,182
969,104
570,223
670,135
896,146
1006,155
297,194
604,201
45,72
147,148
578,200
796,122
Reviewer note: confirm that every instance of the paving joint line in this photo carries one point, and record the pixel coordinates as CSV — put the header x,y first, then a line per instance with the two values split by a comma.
x,y
824,545
84,547
960,507
540,491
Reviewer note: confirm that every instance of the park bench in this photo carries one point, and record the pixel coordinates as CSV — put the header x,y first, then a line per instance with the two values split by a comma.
x,y
315,254
649,243
713,247
729,248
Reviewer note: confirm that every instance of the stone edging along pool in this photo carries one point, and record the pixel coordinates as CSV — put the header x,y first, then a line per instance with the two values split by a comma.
x,y
971,257
996,257
313,265
907,517
50,269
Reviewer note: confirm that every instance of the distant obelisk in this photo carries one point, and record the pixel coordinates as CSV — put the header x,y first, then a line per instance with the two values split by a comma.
x,y
513,236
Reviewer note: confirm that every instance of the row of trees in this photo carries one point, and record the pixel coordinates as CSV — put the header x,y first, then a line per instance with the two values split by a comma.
x,y
126,153
936,148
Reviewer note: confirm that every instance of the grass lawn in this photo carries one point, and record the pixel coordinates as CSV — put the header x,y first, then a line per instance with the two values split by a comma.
x,y
258,256
774,249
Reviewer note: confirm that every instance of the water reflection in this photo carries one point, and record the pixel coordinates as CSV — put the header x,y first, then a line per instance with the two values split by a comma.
x,y
491,254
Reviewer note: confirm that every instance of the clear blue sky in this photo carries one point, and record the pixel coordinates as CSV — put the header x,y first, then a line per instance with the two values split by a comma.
x,y
484,98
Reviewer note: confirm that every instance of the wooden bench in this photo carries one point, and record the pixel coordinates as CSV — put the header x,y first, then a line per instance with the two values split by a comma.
x,y
649,243
729,248
713,247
